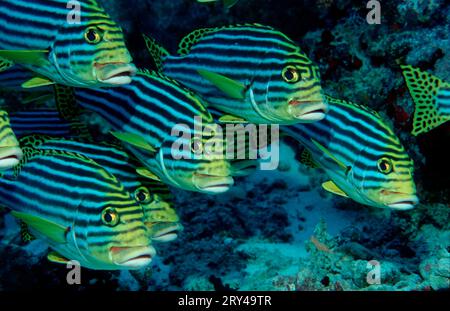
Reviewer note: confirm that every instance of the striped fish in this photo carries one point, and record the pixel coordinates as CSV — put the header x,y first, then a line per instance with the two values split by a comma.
x,y
431,97
81,210
160,217
361,155
253,73
146,116
10,151
44,36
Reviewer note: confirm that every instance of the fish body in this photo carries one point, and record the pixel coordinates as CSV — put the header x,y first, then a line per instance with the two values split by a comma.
x,y
431,97
88,51
361,155
81,210
146,115
10,151
251,72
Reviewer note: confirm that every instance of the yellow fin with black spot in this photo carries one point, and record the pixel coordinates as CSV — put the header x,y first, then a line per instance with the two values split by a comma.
x,y
145,172
26,57
57,258
46,227
157,52
134,139
424,88
37,82
5,64
232,88
333,188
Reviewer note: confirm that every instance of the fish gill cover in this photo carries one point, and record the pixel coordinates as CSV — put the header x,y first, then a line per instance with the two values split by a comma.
x,y
360,196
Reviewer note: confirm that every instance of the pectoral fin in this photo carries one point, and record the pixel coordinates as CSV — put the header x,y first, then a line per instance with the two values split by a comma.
x,y
333,188
329,154
37,82
57,258
48,228
233,89
134,139
144,172
228,118
29,57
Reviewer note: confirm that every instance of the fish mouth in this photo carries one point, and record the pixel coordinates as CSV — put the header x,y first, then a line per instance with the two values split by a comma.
x,y
168,233
115,73
212,184
10,157
307,110
134,257
405,203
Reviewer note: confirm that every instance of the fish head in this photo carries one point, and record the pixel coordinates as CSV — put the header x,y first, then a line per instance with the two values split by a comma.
x,y
160,218
10,151
384,178
111,234
294,92
92,53
196,161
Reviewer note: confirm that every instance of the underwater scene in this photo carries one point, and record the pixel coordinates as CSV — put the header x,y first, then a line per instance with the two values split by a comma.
x,y
225,145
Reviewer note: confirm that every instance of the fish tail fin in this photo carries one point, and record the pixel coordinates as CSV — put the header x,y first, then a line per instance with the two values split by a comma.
x,y
157,52
424,88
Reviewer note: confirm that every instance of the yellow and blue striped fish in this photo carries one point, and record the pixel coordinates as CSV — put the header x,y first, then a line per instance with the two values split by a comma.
x,y
43,36
253,73
431,97
144,114
155,197
10,151
81,210
226,3
361,155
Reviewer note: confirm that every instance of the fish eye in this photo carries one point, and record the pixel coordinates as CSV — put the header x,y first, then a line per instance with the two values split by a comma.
x,y
196,145
385,165
93,35
142,195
110,217
290,74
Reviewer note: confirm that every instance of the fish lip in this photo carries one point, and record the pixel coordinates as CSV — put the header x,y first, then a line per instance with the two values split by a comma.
x,y
213,184
115,73
167,234
308,110
10,157
405,203
140,256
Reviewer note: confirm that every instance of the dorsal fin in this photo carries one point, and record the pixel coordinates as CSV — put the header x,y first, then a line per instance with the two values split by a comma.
x,y
424,88
332,100
195,36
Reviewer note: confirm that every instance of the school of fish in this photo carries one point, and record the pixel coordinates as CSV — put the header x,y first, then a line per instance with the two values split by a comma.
x,y
105,199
